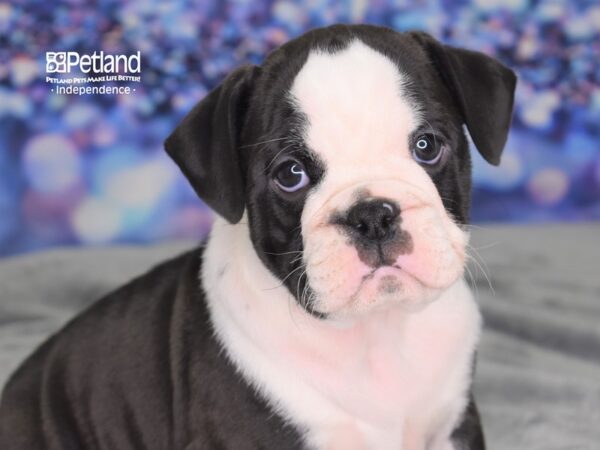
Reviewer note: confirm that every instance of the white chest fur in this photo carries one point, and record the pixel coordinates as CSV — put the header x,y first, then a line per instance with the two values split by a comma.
x,y
390,380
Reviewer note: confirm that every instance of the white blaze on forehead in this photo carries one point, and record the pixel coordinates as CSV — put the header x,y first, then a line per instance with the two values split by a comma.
x,y
356,104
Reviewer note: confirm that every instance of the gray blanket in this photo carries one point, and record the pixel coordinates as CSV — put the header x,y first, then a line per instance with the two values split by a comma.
x,y
538,375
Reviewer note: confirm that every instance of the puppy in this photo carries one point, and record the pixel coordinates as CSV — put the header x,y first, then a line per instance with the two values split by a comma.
x,y
327,309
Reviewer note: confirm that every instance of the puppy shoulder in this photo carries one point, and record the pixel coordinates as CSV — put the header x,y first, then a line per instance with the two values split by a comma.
x,y
110,362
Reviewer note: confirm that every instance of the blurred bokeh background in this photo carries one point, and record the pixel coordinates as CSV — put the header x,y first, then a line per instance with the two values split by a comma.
x,y
80,170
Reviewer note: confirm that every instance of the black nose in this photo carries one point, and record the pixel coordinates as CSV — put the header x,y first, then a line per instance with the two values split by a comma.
x,y
373,219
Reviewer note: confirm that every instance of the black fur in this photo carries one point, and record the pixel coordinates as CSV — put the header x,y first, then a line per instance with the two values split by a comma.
x,y
205,145
141,369
482,89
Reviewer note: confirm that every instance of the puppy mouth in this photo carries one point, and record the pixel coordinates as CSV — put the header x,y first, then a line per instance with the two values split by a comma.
x,y
389,282
387,267
406,268
381,287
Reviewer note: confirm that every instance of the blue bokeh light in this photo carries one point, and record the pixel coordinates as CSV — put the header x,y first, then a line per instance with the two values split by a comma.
x,y
88,170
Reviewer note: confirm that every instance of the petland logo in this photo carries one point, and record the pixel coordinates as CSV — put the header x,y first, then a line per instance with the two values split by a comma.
x,y
104,68
64,62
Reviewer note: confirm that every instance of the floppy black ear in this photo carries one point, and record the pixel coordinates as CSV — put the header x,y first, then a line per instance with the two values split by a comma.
x,y
482,87
205,144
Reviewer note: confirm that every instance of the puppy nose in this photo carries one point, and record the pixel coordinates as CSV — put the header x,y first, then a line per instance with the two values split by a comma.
x,y
373,219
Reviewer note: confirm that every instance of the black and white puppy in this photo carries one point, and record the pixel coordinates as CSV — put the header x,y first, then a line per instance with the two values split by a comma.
x,y
331,311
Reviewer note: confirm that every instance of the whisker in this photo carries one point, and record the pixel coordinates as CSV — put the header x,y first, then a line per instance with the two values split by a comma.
x,y
284,279
451,200
263,142
284,253
305,293
487,246
479,227
298,286
478,256
297,258
475,257
276,156
471,281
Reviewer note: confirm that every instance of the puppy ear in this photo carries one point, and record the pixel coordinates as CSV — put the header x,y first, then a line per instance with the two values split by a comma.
x,y
205,144
483,89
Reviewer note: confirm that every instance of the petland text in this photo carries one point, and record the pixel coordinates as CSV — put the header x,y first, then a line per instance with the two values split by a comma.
x,y
65,62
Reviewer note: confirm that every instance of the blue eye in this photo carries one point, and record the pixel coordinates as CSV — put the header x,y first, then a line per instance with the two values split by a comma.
x,y
427,149
291,176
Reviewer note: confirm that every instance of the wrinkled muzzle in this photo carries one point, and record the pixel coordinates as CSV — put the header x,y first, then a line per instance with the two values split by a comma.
x,y
379,244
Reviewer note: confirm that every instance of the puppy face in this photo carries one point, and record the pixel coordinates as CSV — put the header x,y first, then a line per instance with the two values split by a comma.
x,y
354,165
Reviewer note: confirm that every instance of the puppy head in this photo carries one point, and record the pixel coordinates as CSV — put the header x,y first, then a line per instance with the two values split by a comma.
x,y
347,152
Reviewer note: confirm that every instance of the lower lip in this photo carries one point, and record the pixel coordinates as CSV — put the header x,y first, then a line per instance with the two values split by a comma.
x,y
383,271
394,271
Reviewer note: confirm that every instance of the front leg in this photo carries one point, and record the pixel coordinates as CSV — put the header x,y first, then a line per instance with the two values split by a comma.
x,y
468,435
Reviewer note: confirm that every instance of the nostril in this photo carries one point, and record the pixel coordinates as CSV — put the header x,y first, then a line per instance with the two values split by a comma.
x,y
386,221
362,227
